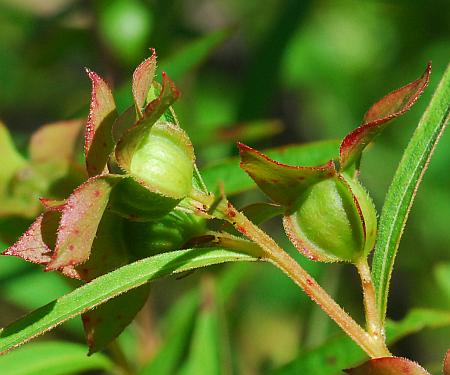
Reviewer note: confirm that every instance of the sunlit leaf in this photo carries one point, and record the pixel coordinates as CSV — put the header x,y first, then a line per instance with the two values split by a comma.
x,y
109,286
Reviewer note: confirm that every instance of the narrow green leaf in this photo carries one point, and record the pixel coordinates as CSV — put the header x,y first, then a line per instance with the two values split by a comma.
x,y
205,355
341,352
11,159
109,286
179,323
181,318
237,181
52,358
193,54
405,183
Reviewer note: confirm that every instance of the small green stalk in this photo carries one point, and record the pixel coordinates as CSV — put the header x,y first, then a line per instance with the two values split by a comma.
x,y
374,325
277,256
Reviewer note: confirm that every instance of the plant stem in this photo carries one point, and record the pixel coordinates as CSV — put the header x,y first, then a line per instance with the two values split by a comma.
x,y
282,260
374,325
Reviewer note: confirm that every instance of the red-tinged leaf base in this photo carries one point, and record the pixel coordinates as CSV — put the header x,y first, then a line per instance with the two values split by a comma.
x,y
388,366
447,363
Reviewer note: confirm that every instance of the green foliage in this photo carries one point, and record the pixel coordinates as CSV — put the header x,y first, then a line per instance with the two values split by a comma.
x,y
404,186
52,358
265,74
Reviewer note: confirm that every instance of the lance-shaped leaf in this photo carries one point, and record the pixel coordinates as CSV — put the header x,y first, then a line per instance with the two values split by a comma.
x,y
375,120
55,141
446,367
388,366
81,216
282,183
132,138
142,81
98,136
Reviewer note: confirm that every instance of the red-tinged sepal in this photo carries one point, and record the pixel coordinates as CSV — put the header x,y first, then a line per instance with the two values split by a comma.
x,y
388,366
98,136
280,182
37,242
375,120
80,218
132,138
142,81
446,366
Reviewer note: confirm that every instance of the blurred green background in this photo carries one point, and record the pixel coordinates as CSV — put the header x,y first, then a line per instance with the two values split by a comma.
x,y
272,72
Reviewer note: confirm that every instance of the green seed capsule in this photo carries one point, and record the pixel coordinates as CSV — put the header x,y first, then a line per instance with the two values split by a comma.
x,y
334,220
161,171
168,234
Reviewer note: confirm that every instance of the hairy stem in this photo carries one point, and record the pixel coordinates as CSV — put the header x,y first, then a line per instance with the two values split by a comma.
x,y
282,260
374,324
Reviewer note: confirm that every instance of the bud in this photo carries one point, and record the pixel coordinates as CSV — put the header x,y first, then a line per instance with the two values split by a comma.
x,y
335,220
329,216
